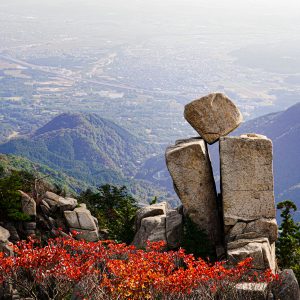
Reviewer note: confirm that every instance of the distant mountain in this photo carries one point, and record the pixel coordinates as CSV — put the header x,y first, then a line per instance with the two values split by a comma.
x,y
89,148
284,130
71,142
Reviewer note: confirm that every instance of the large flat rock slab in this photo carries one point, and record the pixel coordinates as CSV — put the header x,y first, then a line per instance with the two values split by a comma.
x,y
247,178
189,165
213,116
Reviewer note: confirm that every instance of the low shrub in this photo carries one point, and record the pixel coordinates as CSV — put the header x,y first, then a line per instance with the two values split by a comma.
x,y
107,270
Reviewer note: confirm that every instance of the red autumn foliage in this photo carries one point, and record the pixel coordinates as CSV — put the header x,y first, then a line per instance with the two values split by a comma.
x,y
107,270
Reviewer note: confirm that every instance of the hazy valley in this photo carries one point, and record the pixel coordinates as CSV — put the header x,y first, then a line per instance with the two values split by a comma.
x,y
137,67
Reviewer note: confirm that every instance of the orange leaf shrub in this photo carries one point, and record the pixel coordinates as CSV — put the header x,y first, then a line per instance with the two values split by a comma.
x,y
107,270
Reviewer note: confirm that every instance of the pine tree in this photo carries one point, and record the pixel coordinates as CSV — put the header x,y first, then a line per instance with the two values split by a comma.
x,y
288,243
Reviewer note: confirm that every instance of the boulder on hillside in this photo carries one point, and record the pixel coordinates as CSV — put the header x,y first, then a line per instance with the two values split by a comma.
x,y
213,116
28,204
72,219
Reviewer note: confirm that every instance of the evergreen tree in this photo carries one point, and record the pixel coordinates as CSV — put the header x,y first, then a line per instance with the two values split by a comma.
x,y
115,210
288,243
10,198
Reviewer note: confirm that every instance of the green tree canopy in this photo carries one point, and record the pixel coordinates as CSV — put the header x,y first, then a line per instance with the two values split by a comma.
x,y
115,210
10,198
288,243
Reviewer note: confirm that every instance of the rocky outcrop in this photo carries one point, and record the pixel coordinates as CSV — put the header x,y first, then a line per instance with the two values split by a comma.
x,y
158,222
189,165
82,221
53,216
213,116
247,192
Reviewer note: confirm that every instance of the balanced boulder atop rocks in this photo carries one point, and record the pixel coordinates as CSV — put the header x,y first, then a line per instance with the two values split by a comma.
x,y
189,165
213,116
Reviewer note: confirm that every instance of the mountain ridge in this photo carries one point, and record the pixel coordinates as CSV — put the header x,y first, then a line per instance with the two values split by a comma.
x,y
90,149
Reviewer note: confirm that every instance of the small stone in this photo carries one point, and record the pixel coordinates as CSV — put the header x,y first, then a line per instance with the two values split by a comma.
x,y
238,228
213,116
241,243
52,222
43,202
248,235
14,235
